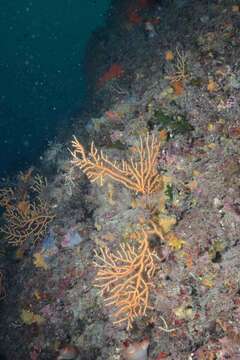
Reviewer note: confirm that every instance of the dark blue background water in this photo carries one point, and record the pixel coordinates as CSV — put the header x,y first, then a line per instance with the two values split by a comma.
x,y
41,79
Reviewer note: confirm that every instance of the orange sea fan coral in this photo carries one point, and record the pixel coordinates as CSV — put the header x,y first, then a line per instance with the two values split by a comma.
x,y
141,175
26,215
180,72
29,224
125,278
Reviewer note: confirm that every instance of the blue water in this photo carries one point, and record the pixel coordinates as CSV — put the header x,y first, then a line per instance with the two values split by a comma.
x,y
41,74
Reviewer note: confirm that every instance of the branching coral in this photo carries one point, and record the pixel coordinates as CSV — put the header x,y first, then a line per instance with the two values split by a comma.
x,y
26,215
180,69
30,223
39,184
140,176
126,277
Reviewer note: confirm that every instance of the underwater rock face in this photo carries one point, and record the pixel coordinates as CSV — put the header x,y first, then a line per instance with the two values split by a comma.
x,y
177,78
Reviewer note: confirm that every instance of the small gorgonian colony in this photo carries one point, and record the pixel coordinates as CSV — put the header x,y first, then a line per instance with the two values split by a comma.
x,y
140,176
125,277
26,216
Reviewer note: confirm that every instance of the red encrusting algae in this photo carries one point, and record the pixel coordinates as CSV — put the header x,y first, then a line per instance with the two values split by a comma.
x,y
142,4
115,71
133,11
133,16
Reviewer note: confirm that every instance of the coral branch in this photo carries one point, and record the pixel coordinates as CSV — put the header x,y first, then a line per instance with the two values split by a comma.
x,y
180,73
29,224
140,176
124,279
26,215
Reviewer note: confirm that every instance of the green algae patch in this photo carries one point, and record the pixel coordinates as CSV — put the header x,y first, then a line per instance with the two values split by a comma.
x,y
169,193
177,124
